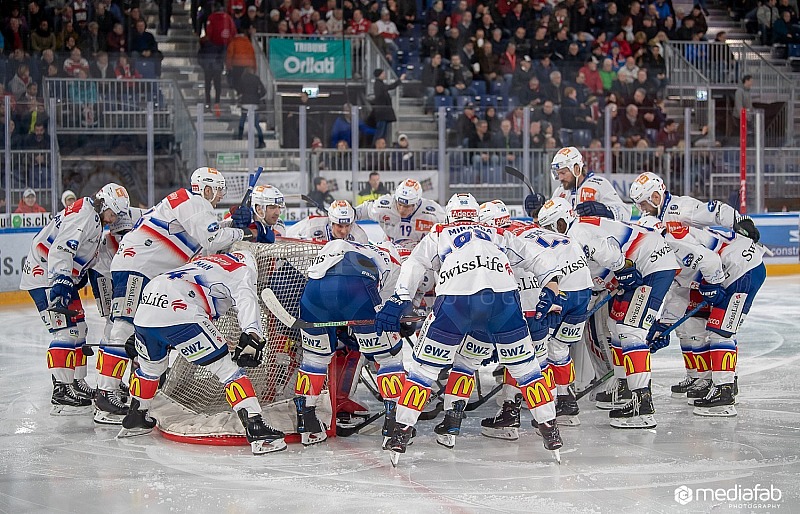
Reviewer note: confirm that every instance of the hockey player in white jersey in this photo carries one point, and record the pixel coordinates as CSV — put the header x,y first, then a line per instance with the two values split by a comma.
x,y
178,228
650,194
176,312
59,259
644,267
405,216
347,281
267,202
589,194
726,270
563,326
477,296
340,223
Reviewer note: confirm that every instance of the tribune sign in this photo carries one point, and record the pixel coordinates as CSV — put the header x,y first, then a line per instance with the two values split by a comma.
x,y
310,59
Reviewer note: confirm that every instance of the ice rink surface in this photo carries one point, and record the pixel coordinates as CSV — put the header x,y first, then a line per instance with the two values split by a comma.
x,y
69,464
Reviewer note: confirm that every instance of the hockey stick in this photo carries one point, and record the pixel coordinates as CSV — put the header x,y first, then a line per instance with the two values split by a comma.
x,y
65,311
599,305
514,172
275,307
593,386
685,317
251,185
348,431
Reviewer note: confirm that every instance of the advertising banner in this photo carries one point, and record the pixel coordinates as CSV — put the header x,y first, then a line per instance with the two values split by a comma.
x,y
306,59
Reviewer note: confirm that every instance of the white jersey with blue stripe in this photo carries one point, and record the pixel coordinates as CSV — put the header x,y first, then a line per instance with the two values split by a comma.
x,y
688,211
595,188
318,228
170,234
406,232
67,246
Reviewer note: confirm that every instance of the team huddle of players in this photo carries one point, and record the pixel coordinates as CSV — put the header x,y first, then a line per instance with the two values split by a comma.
x,y
524,295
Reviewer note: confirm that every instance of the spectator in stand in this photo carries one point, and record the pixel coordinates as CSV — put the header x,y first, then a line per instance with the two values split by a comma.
x,y
35,15
116,42
82,12
624,89
320,192
489,63
402,157
101,68
657,66
335,23
572,62
549,114
576,116
359,24
26,104
251,92
700,22
621,41
668,136
592,75
342,128
83,94
482,141
518,18
536,135
582,20
554,90
28,205
506,138
561,44
377,160
388,31
91,41
38,140
521,77
465,125
453,43
611,21
594,158
543,68
434,81
509,62
382,109
743,99
459,78
238,57
783,30
19,83
643,82
16,37
492,120
124,70
340,160
105,19
687,29
374,188
630,128
532,95
68,197
436,15
16,138
43,38
75,63
432,43
541,44
497,41
145,47
469,57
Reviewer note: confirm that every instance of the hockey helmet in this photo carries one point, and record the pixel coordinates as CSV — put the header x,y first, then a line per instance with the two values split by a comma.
x,y
115,197
651,222
211,177
554,210
642,189
246,257
408,193
267,195
494,214
568,157
341,213
461,207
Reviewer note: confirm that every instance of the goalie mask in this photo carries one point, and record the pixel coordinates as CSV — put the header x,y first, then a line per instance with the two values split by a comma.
x,y
555,210
644,188
494,214
461,207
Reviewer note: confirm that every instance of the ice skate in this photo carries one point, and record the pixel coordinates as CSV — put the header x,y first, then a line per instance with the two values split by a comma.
x,y
719,402
698,390
110,409
450,427
398,443
136,422
124,392
311,430
83,389
67,402
637,413
389,424
614,396
505,424
551,436
567,409
262,437
679,389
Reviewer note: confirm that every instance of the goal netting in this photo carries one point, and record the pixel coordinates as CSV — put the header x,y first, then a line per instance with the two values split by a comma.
x,y
191,405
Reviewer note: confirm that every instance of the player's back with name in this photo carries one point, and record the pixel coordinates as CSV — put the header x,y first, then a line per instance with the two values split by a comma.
x,y
573,266
413,228
380,262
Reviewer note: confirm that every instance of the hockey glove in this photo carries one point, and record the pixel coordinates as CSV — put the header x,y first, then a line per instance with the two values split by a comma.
x,y
593,209
61,294
242,217
265,233
547,298
388,318
130,347
714,294
654,338
533,204
628,278
745,226
346,338
249,351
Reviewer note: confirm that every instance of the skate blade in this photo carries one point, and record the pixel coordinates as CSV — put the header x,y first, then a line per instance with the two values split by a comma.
x,y
69,410
568,421
722,411
132,432
645,421
310,439
609,405
557,455
508,434
690,401
263,446
394,457
385,445
106,418
446,440
678,395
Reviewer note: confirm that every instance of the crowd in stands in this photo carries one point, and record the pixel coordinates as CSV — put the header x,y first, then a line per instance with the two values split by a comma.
x,y
103,39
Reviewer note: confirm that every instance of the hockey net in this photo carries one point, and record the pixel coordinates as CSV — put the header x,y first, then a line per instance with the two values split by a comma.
x,y
191,405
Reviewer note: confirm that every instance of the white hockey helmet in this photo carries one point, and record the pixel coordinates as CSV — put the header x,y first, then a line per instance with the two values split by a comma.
x,y
644,186
211,177
649,221
408,193
267,195
115,197
246,257
461,207
567,157
494,214
341,213
554,210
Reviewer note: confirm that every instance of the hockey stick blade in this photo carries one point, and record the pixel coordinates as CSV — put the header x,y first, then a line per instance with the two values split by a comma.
x,y
312,202
66,312
480,401
599,305
595,385
514,172
275,307
686,316
348,431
